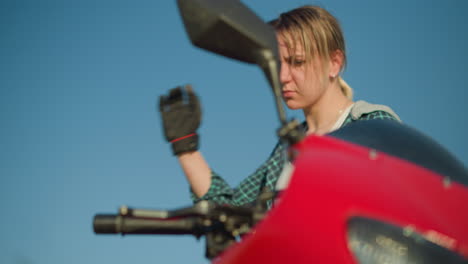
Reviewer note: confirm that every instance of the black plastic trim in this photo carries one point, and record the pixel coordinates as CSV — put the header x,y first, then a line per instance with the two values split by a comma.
x,y
407,143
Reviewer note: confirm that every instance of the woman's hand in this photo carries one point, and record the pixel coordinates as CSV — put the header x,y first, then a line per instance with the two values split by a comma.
x,y
181,116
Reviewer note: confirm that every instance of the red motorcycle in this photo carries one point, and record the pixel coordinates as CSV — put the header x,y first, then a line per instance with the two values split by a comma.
x,y
372,192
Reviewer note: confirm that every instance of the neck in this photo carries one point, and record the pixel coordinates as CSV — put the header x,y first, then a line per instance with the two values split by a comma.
x,y
323,114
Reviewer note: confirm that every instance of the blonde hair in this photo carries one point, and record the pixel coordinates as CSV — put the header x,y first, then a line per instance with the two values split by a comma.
x,y
317,31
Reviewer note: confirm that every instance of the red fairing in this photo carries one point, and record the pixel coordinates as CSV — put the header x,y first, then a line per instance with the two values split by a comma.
x,y
335,180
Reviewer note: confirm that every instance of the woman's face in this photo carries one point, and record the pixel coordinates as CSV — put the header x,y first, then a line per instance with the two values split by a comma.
x,y
303,83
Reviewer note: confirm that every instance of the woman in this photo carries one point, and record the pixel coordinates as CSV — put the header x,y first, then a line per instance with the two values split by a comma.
x,y
313,55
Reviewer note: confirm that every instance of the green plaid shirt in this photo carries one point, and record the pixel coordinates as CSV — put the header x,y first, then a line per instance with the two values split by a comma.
x,y
265,176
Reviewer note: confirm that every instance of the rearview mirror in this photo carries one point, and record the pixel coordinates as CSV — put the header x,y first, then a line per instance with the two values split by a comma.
x,y
231,29
228,28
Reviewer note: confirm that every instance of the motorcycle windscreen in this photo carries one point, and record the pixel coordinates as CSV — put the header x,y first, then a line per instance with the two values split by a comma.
x,y
404,142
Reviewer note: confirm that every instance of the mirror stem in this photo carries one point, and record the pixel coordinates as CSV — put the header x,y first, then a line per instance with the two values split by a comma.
x,y
271,70
289,132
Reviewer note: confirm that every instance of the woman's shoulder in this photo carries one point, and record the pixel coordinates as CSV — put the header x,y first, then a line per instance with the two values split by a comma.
x,y
363,110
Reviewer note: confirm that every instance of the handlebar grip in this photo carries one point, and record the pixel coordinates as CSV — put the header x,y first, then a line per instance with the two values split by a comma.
x,y
117,224
106,224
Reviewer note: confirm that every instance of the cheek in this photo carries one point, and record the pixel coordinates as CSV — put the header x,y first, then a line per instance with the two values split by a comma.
x,y
314,81
305,83
298,77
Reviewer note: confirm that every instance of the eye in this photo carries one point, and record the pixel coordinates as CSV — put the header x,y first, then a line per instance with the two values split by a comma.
x,y
297,62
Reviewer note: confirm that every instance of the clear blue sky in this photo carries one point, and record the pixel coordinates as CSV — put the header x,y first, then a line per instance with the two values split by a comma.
x,y
80,134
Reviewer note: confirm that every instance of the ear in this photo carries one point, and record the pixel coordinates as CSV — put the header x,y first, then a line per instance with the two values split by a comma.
x,y
336,63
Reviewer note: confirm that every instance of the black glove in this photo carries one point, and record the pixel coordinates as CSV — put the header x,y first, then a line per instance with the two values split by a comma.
x,y
181,116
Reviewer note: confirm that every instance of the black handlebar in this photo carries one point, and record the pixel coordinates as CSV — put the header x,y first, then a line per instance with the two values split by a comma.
x,y
220,224
118,224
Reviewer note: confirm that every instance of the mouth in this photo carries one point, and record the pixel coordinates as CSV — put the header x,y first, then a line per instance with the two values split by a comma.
x,y
288,94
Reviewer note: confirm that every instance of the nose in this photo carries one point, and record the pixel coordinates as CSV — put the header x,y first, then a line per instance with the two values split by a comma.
x,y
285,73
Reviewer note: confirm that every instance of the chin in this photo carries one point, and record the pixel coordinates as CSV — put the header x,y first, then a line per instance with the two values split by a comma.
x,y
293,105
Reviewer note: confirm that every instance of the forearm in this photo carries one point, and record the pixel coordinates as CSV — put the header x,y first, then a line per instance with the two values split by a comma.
x,y
197,171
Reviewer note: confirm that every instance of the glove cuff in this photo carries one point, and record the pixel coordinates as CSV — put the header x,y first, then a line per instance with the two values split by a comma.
x,y
185,144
